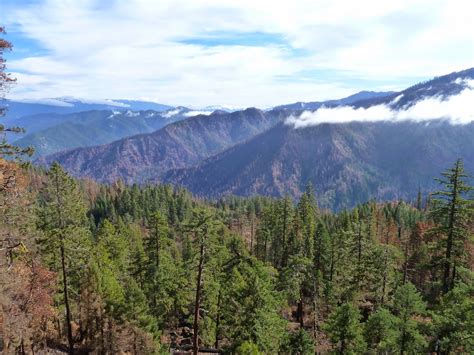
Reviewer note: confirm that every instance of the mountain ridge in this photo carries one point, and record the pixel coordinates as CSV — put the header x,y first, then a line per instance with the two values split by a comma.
x,y
254,151
347,163
148,156
90,128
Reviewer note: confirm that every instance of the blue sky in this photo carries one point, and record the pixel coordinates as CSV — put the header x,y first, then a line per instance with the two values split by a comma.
x,y
235,53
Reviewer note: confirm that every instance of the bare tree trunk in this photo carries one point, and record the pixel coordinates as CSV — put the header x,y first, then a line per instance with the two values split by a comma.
x,y
197,303
63,268
301,310
218,319
251,235
384,280
405,264
66,301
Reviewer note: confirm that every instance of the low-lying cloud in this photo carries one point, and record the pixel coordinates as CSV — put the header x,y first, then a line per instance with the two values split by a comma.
x,y
196,113
458,109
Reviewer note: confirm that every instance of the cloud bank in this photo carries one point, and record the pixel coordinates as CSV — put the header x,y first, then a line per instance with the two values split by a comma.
x,y
250,53
458,109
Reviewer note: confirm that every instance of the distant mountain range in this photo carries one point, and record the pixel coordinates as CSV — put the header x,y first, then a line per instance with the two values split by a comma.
x,y
110,120
254,151
89,128
65,105
49,133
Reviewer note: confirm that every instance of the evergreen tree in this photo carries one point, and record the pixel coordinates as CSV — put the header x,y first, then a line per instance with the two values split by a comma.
x,y
65,240
307,210
298,343
203,229
251,307
345,330
408,304
451,210
454,320
381,331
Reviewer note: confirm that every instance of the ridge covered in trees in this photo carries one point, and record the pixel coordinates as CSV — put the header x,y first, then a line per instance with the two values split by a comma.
x,y
110,268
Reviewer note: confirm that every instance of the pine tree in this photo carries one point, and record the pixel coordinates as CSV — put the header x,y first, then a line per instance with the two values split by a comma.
x,y
251,306
320,275
307,210
203,229
66,241
454,320
419,200
283,220
380,331
451,210
345,330
298,343
408,303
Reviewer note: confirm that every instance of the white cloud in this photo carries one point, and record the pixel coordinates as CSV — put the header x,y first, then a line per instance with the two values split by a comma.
x,y
196,113
134,49
458,109
52,102
171,113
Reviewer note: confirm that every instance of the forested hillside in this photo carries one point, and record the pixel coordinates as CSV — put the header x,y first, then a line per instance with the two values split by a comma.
x,y
147,157
347,163
140,270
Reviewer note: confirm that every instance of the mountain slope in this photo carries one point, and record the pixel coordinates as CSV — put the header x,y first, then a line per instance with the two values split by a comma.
x,y
89,128
441,86
347,163
182,144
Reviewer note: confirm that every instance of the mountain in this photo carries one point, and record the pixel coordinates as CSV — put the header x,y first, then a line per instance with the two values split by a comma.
x,y
346,163
442,86
84,129
181,144
362,95
254,151
64,105
439,87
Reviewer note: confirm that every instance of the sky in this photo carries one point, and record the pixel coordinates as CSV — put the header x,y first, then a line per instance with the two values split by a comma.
x,y
233,53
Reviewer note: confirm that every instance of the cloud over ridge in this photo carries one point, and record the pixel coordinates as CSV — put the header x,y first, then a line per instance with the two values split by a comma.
x,y
457,109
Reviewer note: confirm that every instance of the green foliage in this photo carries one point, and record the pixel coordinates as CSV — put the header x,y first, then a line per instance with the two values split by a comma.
x,y
142,264
298,343
250,306
452,212
247,348
408,304
381,331
62,222
345,330
454,320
